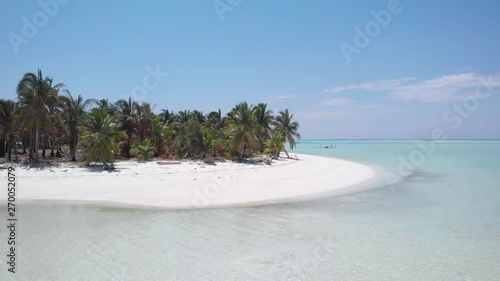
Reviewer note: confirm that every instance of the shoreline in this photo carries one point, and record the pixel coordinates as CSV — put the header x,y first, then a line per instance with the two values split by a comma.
x,y
192,185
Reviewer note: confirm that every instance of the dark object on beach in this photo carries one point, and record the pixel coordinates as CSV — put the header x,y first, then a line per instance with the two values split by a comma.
x,y
108,167
209,160
168,163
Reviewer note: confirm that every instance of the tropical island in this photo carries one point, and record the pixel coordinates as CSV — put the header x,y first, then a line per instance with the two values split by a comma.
x,y
234,159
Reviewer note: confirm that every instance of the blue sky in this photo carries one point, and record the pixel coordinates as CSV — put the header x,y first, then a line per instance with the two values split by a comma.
x,y
433,64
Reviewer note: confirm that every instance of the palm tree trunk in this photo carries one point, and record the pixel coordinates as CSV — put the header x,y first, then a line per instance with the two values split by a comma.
x,y
44,144
241,152
127,152
32,139
9,148
2,147
24,142
37,132
287,154
72,141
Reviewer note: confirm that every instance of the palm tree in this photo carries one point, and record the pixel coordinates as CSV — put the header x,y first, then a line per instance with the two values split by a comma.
x,y
127,109
98,140
207,144
214,121
144,149
162,135
167,117
242,129
198,116
7,109
106,106
144,119
274,145
37,103
264,119
74,111
184,116
287,128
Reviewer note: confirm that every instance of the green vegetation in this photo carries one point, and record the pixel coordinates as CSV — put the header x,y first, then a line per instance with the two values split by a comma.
x,y
99,135
144,149
47,116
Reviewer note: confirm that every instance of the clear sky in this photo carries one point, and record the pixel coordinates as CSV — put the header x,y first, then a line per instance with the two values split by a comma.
x,y
347,69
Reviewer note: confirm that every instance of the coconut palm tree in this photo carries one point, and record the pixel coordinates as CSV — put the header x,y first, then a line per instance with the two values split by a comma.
x,y
74,109
144,149
214,120
106,106
264,119
198,116
98,140
7,109
184,116
38,101
287,128
207,144
127,110
274,145
161,135
242,129
167,117
144,119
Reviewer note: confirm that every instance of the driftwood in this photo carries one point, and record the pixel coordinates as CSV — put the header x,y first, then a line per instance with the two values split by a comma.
x,y
168,163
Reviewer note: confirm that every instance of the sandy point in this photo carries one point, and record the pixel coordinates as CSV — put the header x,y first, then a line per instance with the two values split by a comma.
x,y
193,184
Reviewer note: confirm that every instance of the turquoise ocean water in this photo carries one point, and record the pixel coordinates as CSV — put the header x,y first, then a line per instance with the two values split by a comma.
x,y
440,221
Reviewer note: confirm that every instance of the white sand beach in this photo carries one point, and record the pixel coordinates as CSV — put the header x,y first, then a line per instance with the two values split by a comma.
x,y
192,184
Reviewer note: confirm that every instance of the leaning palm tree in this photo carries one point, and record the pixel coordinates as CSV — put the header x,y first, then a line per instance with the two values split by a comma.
x,y
38,103
287,128
74,109
7,108
144,149
242,129
99,134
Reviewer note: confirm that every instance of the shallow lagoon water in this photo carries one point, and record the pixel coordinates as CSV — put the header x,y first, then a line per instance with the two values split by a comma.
x,y
441,222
